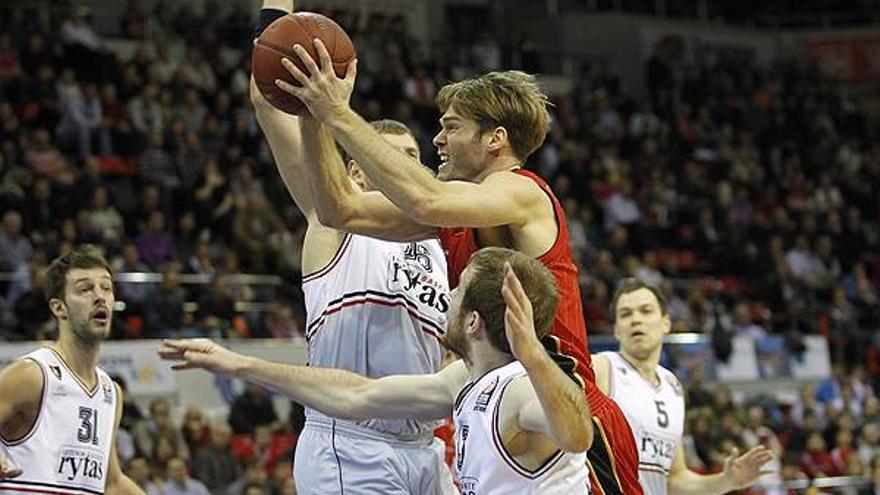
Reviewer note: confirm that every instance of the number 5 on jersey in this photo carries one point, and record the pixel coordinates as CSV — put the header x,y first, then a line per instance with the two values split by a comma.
x,y
662,417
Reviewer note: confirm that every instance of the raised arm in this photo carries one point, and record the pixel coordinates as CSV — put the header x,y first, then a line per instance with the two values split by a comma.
x,y
335,392
340,205
501,199
558,406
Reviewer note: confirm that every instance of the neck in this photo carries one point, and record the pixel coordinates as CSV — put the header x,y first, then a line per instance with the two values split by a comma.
x,y
501,164
646,366
81,357
485,358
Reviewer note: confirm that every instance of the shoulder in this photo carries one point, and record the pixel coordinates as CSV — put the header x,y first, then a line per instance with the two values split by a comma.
x,y
21,381
602,370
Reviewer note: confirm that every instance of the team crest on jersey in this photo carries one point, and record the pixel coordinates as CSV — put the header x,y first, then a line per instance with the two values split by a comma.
x,y
55,371
676,385
482,401
419,253
107,388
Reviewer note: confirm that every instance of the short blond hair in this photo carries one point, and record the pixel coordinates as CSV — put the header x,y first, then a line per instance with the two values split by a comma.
x,y
510,99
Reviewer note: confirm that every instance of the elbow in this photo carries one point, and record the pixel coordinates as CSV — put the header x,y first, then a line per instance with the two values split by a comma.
x,y
580,439
334,218
424,211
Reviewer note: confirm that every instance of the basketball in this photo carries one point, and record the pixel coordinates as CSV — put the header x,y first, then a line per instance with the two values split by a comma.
x,y
277,42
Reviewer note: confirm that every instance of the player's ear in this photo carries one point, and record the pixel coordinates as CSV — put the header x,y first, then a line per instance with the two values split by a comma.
x,y
474,322
58,308
667,323
497,138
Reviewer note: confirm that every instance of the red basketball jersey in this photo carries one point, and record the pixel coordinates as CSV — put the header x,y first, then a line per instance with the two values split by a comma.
x,y
569,326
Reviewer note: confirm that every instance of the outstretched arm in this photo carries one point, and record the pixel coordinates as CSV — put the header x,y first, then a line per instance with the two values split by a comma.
x,y
340,205
739,472
335,392
502,199
560,409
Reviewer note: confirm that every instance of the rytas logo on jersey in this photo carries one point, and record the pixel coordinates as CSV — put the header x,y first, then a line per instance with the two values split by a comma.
x,y
80,464
410,279
655,448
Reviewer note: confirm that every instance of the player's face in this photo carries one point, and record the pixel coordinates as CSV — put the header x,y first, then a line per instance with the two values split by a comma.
x,y
404,143
455,338
463,153
639,323
89,300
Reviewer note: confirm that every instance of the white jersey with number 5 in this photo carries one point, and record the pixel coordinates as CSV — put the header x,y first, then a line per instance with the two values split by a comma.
x,y
484,465
67,450
655,414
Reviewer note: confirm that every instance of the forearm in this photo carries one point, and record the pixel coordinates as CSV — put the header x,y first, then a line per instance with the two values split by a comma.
x,y
334,392
687,482
283,134
331,190
564,404
400,177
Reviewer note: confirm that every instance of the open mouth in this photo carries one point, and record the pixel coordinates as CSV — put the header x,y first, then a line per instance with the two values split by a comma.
x,y
101,316
638,333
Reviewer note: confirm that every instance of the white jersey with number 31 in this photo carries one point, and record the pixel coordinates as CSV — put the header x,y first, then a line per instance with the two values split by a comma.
x,y
67,450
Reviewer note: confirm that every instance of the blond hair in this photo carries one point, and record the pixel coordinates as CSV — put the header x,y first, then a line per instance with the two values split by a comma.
x,y
510,99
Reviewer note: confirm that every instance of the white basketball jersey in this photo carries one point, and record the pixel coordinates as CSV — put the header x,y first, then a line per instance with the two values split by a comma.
x,y
67,450
655,414
379,308
483,464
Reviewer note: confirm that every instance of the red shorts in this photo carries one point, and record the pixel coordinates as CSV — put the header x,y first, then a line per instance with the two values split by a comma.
x,y
613,457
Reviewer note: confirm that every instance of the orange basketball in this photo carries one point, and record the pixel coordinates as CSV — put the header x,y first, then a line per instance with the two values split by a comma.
x,y
277,42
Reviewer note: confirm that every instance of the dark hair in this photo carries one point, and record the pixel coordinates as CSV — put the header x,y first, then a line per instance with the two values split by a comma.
x,y
483,292
84,257
632,284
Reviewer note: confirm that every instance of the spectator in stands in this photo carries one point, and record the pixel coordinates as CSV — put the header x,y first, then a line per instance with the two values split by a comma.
x,y
15,249
214,201
81,115
216,308
252,408
156,429
196,432
869,443
163,309
179,482
145,111
874,486
139,472
253,475
47,161
816,461
34,321
214,464
154,244
104,220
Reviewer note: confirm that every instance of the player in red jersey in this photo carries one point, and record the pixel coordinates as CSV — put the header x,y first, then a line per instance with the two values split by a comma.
x,y
480,197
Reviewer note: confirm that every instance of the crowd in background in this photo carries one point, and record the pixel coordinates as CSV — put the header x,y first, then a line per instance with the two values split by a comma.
x,y
747,192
